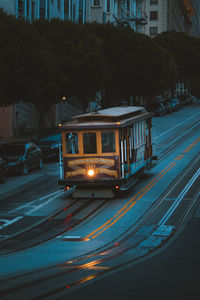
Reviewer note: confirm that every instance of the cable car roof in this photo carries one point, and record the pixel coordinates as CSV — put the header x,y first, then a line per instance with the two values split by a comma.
x,y
108,118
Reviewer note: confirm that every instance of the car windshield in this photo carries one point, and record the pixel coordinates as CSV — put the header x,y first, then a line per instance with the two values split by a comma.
x,y
13,150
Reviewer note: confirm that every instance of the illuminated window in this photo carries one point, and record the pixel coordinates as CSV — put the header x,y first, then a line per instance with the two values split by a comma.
x,y
108,142
71,139
89,143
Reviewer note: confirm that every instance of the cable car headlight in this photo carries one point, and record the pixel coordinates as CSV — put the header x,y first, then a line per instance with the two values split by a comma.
x,y
90,172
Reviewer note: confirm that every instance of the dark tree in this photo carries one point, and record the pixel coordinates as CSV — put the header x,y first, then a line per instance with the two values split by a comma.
x,y
135,64
27,66
195,87
80,61
185,50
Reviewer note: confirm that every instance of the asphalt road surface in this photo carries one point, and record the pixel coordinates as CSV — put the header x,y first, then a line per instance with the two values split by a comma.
x,y
172,273
142,244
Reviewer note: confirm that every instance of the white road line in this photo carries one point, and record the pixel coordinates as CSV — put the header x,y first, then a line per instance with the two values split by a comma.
x,y
71,237
180,197
9,222
175,126
33,208
36,200
41,205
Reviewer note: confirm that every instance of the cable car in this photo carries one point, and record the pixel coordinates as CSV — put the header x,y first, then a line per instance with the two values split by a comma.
x,y
105,151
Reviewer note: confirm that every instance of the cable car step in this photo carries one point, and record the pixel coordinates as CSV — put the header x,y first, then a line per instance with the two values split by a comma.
x,y
127,185
92,193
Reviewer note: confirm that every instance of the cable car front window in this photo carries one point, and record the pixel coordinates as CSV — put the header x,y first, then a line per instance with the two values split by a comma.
x,y
71,143
108,142
89,143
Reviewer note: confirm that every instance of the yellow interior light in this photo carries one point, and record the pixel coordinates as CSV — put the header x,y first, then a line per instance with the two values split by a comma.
x,y
90,172
59,124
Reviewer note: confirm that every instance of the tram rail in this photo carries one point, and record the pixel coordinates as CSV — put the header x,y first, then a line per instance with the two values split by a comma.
x,y
24,240
105,259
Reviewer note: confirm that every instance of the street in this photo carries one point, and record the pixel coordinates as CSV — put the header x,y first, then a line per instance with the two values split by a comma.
x,y
142,243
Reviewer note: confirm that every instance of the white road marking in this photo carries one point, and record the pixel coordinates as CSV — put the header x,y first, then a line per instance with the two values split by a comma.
x,y
175,126
179,198
152,241
9,222
28,206
71,237
43,204
25,206
163,230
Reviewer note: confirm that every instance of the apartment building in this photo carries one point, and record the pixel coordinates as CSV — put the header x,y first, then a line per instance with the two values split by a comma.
x,y
117,12
28,9
168,15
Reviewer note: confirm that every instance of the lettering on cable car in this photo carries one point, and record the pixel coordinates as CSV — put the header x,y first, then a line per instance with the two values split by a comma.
x,y
93,160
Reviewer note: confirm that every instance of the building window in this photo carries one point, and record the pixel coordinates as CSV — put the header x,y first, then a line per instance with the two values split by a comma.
x,y
96,2
48,4
21,8
153,31
66,9
42,13
58,4
108,5
153,15
33,10
153,2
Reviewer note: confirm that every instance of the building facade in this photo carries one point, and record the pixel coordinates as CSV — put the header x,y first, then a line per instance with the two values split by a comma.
x,y
117,12
168,15
27,9
80,11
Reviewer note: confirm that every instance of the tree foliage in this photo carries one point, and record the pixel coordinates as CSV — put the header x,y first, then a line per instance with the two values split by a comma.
x,y
80,60
185,50
135,63
195,87
26,64
46,60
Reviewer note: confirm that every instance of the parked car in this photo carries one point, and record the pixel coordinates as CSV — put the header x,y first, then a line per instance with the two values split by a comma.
x,y
48,142
190,99
175,104
168,106
3,170
21,157
157,107
183,99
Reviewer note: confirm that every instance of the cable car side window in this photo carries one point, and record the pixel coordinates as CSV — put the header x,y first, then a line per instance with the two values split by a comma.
x,y
71,143
89,143
108,141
